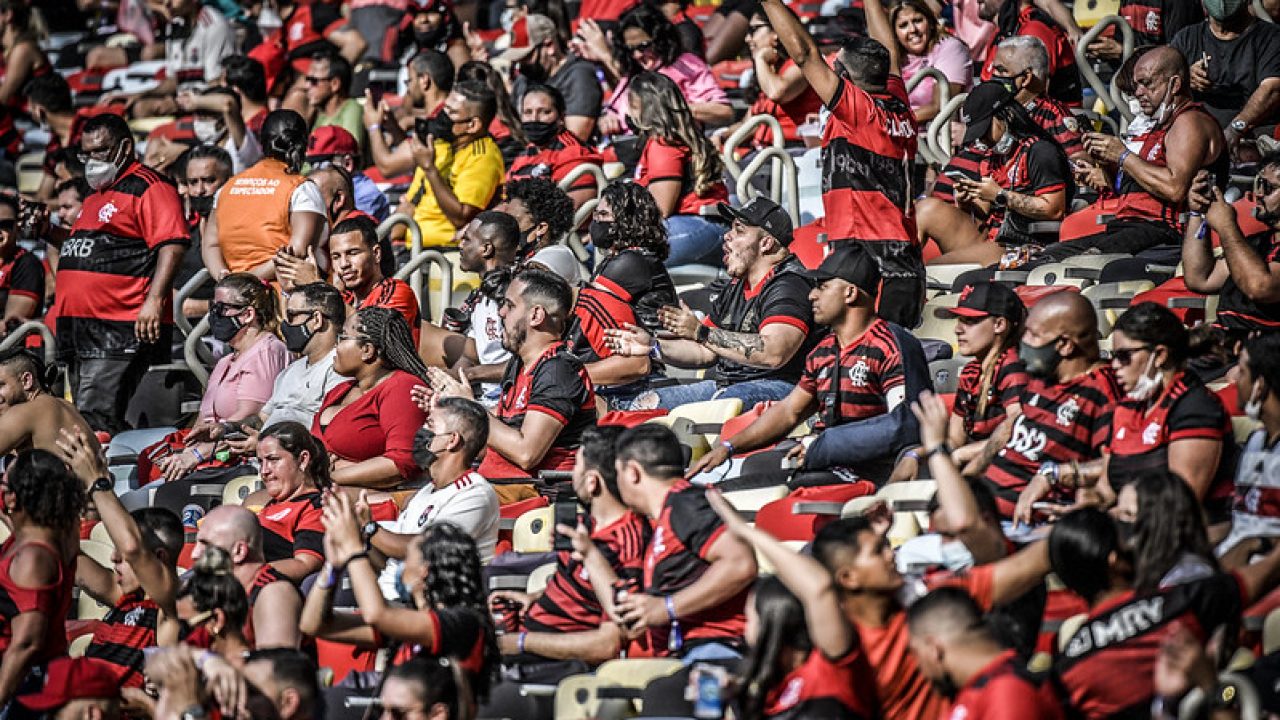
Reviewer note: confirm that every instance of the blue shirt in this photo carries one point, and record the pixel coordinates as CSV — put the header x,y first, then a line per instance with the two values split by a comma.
x,y
369,198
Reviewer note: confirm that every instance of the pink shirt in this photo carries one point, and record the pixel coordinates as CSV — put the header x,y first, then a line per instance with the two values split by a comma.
x,y
949,55
689,72
975,32
248,377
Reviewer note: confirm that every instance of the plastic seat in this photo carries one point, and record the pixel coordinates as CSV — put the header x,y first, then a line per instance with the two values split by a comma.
x,y
1243,426
240,488
939,328
749,502
78,646
636,672
1069,628
707,416
1063,274
944,276
87,608
539,578
534,530
764,567
99,534
576,697
1110,300
912,497
1098,261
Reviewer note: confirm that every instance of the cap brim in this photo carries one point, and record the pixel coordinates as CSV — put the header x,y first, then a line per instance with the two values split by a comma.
x,y
42,701
513,55
951,312
976,130
729,213
817,275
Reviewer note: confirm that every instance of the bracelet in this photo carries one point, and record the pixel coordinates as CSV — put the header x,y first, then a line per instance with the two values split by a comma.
x,y
941,447
375,127
913,455
362,555
203,657
1123,156
328,576
196,451
671,607
728,446
520,641
655,350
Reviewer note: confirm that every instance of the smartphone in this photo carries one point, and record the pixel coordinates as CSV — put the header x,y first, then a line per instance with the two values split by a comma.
x,y
566,513
955,175
375,93
421,129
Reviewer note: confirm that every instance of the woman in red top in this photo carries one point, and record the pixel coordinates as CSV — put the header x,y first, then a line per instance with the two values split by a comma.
x,y
41,503
783,91
680,167
217,607
23,58
295,469
368,423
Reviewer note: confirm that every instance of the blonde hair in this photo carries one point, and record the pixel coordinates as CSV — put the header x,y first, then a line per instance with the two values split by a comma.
x,y
665,114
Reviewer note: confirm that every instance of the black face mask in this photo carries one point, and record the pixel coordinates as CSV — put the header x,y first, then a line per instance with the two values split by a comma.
x,y
440,127
525,248
1125,532
601,234
1010,82
423,456
222,327
431,38
179,29
541,133
201,205
945,686
297,336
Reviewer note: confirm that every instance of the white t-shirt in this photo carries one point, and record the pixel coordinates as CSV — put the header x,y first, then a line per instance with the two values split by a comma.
x,y
197,59
300,389
469,502
486,331
245,156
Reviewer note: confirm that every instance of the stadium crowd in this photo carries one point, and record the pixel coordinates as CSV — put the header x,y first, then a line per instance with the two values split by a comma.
x,y
901,359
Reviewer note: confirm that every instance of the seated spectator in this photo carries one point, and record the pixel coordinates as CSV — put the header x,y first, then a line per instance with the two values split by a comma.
x,y
545,60
454,494
1022,17
679,166
780,86
289,678
505,128
459,166
329,100
218,121
1235,67
445,617
433,26
543,213
1247,276
21,274
42,506
1170,542
248,225
69,197
50,105
756,333
333,145
431,79
1256,377
553,151
991,218
368,422
215,607
432,685
23,57
338,191
274,601
869,401
1154,22
208,168
295,472
1167,418
247,79
646,41
196,40
547,399
1074,394
923,43
75,688
1154,182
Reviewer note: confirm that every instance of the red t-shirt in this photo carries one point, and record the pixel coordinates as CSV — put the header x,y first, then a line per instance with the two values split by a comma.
x,y
1004,690
380,423
662,160
391,293
555,161
825,687
790,114
292,527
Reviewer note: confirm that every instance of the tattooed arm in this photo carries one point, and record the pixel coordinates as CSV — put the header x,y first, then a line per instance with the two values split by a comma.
x,y
1050,206
772,347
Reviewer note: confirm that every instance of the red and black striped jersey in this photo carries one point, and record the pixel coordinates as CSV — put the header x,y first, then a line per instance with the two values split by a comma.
x,y
1107,667
832,689
1238,311
781,296
595,311
1008,380
292,527
676,558
105,267
854,382
1033,167
126,629
391,293
23,276
1059,122
867,147
555,161
569,603
265,576
1005,690
52,600
1136,202
665,160
641,280
1059,422
1064,78
1141,433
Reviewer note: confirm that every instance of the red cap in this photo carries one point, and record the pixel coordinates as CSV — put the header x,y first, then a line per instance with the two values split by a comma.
x,y
68,679
329,140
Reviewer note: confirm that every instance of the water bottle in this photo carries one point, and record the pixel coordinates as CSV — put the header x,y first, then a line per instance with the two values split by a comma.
x,y
192,514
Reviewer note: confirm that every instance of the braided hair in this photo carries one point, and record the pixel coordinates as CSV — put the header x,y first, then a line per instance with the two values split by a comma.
x,y
284,138
387,330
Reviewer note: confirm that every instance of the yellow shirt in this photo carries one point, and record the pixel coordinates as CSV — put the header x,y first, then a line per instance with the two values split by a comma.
x,y
474,171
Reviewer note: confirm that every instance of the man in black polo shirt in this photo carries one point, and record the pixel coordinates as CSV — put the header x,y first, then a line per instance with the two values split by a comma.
x,y
860,380
757,333
543,58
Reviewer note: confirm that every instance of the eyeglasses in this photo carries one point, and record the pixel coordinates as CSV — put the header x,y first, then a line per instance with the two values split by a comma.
x,y
315,80
751,29
640,47
289,315
1125,355
102,153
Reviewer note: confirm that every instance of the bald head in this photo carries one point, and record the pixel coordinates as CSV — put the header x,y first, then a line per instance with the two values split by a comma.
x,y
229,526
334,182
1066,313
946,614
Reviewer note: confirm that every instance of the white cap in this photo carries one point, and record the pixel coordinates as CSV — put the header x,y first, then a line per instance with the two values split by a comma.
x,y
561,261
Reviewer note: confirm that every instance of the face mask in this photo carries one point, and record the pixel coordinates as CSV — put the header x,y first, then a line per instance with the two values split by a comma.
x,y
1148,385
222,327
1253,408
207,131
602,234
1005,144
540,133
297,336
402,590
1162,112
423,455
441,127
1010,82
430,38
201,205
1125,533
1041,362
507,19
955,556
100,173
945,686
178,29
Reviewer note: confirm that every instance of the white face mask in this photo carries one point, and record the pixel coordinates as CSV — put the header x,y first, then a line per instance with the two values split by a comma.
x,y
1149,384
1162,112
100,173
207,131
1253,408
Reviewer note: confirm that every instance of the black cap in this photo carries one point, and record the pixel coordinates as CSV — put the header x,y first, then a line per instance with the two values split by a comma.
x,y
763,213
985,299
980,106
852,263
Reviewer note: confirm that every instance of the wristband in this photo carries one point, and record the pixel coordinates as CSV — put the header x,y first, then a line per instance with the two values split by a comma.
x,y
362,555
703,333
328,576
196,451
913,455
1123,156
941,447
375,127
675,640
203,657
520,641
655,350
670,601
727,446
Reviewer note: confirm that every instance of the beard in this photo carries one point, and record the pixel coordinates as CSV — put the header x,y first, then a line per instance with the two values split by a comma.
x,y
513,339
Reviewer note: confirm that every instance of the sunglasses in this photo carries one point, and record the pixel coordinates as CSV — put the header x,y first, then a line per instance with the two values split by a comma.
x,y
221,308
751,29
315,80
1125,355
641,47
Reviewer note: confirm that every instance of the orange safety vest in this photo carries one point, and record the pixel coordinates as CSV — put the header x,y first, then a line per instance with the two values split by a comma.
x,y
253,214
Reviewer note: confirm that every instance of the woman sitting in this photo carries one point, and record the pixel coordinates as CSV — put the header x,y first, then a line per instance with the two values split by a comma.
x,y
1166,520
1009,176
553,152
680,168
368,423
923,44
23,57
295,470
212,602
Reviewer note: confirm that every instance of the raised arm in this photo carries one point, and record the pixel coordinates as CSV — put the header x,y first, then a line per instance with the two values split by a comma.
x,y
802,48
881,30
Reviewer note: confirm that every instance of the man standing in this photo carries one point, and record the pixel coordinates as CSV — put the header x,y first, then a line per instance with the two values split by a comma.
x,y
116,271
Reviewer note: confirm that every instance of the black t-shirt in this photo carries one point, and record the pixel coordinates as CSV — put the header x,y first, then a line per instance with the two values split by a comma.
x,y
783,296
641,280
556,385
192,263
1236,67
1155,22
577,81
1238,311
23,275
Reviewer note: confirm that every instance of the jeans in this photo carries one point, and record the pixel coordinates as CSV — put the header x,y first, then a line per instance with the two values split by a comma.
x,y
694,239
750,392
710,651
103,388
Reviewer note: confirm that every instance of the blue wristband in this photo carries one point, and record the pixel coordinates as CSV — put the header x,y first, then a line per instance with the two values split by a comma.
x,y
671,608
520,641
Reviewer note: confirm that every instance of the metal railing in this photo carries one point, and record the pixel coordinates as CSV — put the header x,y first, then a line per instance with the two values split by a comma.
x,y
938,136
591,169
748,128
183,294
1104,92
32,327
191,351
928,150
410,272
783,160
415,243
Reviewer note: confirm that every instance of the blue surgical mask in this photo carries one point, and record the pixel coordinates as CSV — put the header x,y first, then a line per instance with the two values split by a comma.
x,y
402,590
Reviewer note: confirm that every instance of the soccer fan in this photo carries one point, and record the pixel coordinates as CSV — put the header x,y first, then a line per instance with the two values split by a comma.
x,y
860,379
218,121
1247,276
289,679
214,605
547,399
543,213
197,38
50,104
208,168
24,58
433,687
553,151
545,59
1154,22
32,416
431,78
1023,17
871,125
248,80
334,145
295,472
21,274
75,689
1256,377
756,334
454,492
922,43
434,26
275,604
458,165
958,651
267,207
328,82
116,270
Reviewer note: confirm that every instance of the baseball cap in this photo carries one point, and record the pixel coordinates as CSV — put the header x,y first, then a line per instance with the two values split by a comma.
x,y
763,213
527,33
853,264
68,679
328,140
986,299
980,106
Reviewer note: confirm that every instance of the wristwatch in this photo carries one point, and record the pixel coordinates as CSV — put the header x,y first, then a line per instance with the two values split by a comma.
x,y
1239,126
1002,199
703,333
102,484
369,529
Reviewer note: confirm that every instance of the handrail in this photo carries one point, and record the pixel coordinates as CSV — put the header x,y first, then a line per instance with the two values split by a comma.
x,y
410,272
415,242
180,297
1260,11
745,130
191,353
942,123
27,328
573,238
746,192
930,153
585,169
1091,75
